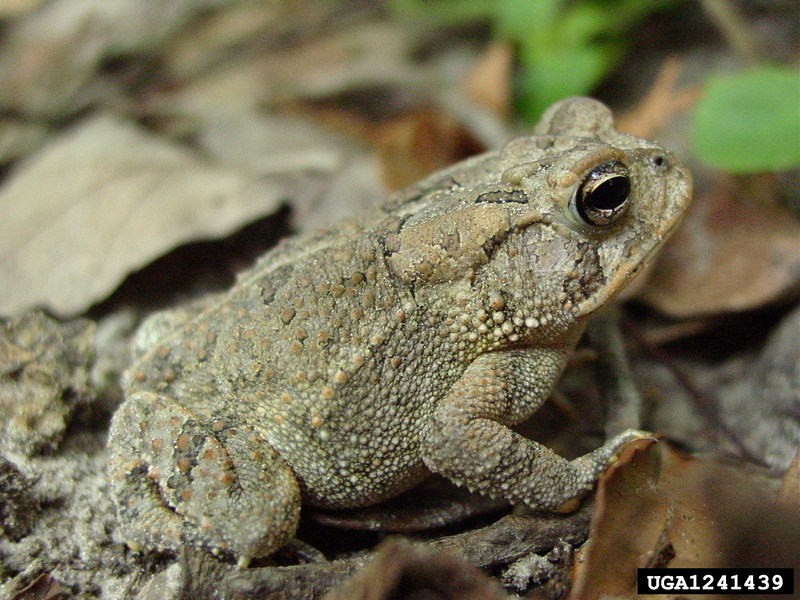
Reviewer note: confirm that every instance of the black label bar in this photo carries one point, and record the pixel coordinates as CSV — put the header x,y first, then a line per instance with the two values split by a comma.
x,y
715,581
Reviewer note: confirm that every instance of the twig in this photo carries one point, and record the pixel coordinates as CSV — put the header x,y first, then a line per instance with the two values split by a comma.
x,y
614,372
733,27
502,542
708,408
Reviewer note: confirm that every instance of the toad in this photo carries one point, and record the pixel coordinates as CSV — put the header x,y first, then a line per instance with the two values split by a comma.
x,y
348,364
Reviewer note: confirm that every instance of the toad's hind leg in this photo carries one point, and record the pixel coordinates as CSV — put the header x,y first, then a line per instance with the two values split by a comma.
x,y
176,480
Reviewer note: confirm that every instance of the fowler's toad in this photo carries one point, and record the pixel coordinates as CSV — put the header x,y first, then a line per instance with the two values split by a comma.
x,y
346,365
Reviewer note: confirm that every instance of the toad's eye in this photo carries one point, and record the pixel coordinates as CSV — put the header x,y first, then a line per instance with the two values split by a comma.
x,y
603,195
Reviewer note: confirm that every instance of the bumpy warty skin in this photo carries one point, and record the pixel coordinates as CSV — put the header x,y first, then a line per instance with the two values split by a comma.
x,y
347,365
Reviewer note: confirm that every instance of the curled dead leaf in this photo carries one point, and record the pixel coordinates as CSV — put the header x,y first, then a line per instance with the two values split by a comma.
x,y
663,509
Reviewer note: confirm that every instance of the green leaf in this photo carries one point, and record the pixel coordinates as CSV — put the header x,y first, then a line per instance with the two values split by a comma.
x,y
565,47
522,20
562,73
584,23
750,122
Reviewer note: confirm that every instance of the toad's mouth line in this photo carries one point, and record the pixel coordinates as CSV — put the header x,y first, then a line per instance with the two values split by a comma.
x,y
622,278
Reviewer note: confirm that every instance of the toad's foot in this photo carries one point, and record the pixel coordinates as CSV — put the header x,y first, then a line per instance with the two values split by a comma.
x,y
590,466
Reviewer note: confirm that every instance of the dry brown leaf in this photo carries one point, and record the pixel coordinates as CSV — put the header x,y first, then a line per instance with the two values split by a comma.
x,y
44,587
106,198
208,41
16,8
758,396
403,570
662,102
489,82
418,143
283,143
790,486
269,144
662,509
364,55
733,252
627,494
18,139
49,57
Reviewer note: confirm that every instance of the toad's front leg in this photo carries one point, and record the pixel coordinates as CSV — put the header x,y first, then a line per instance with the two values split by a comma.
x,y
468,440
177,480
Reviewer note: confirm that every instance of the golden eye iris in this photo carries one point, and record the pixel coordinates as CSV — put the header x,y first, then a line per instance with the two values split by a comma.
x,y
603,195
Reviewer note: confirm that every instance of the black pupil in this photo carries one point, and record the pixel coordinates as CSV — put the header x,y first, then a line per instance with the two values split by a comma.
x,y
610,194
